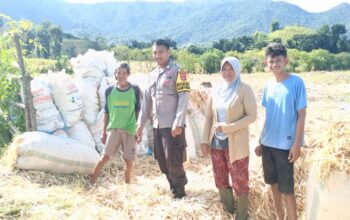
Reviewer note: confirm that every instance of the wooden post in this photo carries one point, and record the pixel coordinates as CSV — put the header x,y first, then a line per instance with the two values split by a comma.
x,y
26,92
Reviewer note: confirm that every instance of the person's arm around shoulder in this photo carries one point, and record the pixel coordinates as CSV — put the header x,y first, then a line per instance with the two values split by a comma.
x,y
208,123
250,109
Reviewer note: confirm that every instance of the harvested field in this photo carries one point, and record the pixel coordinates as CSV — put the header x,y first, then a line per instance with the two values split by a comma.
x,y
40,195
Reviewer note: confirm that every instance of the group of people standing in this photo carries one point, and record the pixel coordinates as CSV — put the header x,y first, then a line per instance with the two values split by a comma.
x,y
231,108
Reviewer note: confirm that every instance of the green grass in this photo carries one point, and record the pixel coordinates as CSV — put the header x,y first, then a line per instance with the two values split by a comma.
x,y
287,33
35,66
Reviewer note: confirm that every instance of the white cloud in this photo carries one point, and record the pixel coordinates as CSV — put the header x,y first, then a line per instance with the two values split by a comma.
x,y
316,5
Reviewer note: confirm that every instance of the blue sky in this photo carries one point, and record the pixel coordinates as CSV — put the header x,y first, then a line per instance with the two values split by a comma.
x,y
308,5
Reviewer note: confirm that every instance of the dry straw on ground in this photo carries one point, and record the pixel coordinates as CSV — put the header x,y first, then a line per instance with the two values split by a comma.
x,y
334,150
40,195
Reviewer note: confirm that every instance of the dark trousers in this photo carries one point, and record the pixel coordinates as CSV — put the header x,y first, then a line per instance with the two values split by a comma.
x,y
170,153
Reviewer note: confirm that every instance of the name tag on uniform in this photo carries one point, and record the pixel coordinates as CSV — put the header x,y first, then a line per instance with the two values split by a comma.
x,y
166,82
182,83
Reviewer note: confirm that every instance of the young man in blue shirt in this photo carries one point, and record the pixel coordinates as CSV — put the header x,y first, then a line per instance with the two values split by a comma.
x,y
285,104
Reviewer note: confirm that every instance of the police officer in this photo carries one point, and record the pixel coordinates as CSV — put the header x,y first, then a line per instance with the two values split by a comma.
x,y
166,100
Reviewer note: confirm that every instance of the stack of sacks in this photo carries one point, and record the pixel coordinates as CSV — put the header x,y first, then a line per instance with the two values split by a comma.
x,y
41,151
96,64
64,103
106,81
48,119
88,92
67,98
79,131
94,71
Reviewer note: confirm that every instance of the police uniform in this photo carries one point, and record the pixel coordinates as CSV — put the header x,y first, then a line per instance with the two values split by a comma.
x,y
166,100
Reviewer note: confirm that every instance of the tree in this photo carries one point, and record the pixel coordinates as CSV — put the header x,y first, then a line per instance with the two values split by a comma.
x,y
210,61
259,40
246,43
11,115
304,42
275,25
324,38
343,44
321,60
43,40
342,61
28,39
122,52
337,30
70,51
56,38
195,49
299,61
247,65
187,60
139,44
227,45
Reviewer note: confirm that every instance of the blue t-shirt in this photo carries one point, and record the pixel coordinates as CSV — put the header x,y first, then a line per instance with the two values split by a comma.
x,y
282,101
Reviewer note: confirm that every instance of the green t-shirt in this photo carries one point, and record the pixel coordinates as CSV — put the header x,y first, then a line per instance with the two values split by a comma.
x,y
122,107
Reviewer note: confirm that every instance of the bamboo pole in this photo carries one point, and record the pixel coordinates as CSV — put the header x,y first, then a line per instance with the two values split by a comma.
x,y
27,97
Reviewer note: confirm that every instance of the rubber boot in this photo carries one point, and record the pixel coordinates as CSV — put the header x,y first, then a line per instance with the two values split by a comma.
x,y
226,197
242,207
172,188
179,192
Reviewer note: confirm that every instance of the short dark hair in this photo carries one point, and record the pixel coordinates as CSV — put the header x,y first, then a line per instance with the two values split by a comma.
x,y
123,65
161,42
275,49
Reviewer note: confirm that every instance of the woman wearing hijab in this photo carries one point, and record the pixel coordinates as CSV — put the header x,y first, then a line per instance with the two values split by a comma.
x,y
231,108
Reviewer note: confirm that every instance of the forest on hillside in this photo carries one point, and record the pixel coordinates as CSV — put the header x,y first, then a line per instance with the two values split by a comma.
x,y
46,47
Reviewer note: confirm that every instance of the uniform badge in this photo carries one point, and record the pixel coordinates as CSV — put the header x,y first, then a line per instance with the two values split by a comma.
x,y
183,75
182,84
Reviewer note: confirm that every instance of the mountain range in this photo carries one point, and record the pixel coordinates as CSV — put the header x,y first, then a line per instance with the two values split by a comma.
x,y
192,21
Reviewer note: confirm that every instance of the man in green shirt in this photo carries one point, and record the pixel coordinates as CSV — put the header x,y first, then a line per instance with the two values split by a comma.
x,y
121,112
